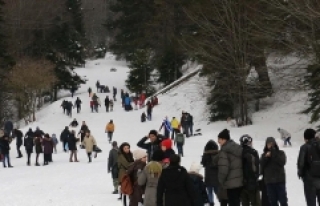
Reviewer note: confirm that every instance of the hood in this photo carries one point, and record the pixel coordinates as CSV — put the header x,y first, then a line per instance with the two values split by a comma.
x,y
233,148
211,145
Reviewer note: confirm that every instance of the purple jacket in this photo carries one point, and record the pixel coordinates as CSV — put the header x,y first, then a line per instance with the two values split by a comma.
x,y
47,145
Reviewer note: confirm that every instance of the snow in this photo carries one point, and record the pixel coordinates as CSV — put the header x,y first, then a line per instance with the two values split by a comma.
x,y
82,184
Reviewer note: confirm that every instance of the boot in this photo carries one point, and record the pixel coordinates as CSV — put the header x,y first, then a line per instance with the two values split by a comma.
x,y
115,192
75,157
37,164
71,154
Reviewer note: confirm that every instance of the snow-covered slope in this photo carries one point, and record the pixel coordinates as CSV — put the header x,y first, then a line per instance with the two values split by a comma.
x,y
83,184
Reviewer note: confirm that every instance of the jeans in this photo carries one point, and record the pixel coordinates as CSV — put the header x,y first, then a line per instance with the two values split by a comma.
x,y
173,133
186,130
19,151
110,135
234,196
210,191
64,146
89,156
166,133
287,140
78,109
310,192
277,192
191,129
149,116
6,157
180,149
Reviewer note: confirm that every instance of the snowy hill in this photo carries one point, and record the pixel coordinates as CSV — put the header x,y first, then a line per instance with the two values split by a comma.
x,y
82,184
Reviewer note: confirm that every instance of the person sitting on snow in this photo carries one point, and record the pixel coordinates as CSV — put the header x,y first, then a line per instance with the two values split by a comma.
x,y
74,123
143,117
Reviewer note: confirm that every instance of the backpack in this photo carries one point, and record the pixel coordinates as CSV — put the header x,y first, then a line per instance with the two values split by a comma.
x,y
250,166
314,158
126,185
179,138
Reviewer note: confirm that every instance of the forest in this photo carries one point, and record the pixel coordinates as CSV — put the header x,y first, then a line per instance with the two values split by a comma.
x,y
41,42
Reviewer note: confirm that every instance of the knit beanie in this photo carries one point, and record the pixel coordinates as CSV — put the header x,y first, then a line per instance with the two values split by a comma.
x,y
167,143
309,134
270,139
224,134
154,132
195,167
157,155
139,154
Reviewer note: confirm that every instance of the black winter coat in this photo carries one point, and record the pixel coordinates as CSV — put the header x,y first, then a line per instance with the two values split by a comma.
x,y
38,133
150,146
251,164
168,153
201,195
5,145
175,188
28,144
272,168
72,142
210,169
19,136
64,135
113,162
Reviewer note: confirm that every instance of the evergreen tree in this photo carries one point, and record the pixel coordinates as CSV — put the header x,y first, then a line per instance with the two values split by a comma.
x,y
140,73
6,62
75,9
312,80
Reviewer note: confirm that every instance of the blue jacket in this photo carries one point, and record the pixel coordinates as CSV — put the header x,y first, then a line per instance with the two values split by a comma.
x,y
127,101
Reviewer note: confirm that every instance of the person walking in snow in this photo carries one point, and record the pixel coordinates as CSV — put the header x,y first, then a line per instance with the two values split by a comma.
x,y
38,132
230,169
149,178
250,161
179,142
285,136
83,130
308,169
201,195
28,144
89,143
5,148
209,162
55,142
127,103
8,127
166,125
113,166
175,127
110,130
47,149
64,136
149,110
184,124
69,107
107,103
114,92
38,146
72,142
19,141
190,124
175,186
140,159
153,144
64,106
98,85
125,159
89,91
78,103
272,163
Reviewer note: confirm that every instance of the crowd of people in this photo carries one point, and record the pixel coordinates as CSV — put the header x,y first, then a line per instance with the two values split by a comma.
x,y
235,173
40,142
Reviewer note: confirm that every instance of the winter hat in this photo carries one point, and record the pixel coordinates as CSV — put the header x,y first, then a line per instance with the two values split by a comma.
x,y
195,167
54,135
309,134
245,139
211,145
167,143
270,139
139,154
154,132
157,155
224,134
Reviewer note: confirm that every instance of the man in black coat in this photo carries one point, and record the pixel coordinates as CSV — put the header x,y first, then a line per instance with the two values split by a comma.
x,y
153,145
78,103
311,183
175,186
28,144
8,127
250,194
107,103
115,94
38,132
64,138
83,130
18,135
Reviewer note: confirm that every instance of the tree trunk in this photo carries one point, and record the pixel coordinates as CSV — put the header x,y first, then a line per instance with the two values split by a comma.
x,y
264,80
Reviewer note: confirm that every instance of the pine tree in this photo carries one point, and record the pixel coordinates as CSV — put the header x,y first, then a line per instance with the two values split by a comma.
x,y
6,62
312,80
140,72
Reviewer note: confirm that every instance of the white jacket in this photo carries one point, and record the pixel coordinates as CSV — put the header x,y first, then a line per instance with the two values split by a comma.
x,y
284,134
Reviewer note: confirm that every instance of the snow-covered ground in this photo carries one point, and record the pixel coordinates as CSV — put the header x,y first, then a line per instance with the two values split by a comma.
x,y
83,184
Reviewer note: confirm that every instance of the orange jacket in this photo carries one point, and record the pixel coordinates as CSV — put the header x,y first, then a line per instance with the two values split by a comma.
x,y
110,127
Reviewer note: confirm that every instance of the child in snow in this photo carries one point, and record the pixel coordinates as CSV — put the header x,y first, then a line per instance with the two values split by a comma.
x,y
55,142
166,147
143,117
201,196
179,142
285,136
